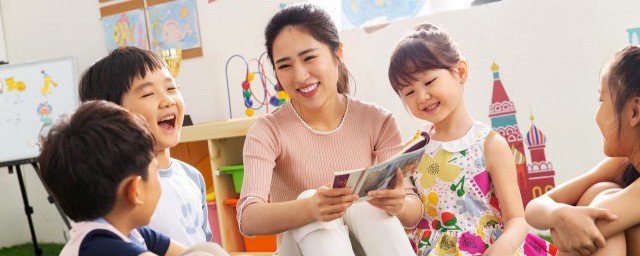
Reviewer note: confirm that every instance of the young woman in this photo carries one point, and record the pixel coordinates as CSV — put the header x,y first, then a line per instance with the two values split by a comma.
x,y
290,156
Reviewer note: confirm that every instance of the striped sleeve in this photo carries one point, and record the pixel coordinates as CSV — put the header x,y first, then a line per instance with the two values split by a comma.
x,y
261,148
389,140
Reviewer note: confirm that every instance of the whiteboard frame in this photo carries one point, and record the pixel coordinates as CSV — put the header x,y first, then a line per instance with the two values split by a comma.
x,y
74,78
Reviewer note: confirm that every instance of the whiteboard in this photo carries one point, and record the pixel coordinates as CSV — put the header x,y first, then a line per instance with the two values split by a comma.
x,y
32,97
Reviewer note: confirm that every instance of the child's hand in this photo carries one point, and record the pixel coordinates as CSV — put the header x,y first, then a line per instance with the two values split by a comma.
x,y
577,229
390,200
331,203
499,249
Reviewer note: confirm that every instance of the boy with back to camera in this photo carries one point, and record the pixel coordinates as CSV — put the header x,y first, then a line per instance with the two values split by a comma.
x,y
100,167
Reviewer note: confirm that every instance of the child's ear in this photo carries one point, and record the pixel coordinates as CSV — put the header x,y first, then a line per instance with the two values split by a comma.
x,y
635,112
339,52
463,70
132,190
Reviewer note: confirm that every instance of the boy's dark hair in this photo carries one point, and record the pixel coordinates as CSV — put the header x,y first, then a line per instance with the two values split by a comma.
x,y
316,22
425,48
111,77
86,157
624,83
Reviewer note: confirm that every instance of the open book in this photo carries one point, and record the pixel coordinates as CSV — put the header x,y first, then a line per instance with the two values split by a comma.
x,y
383,175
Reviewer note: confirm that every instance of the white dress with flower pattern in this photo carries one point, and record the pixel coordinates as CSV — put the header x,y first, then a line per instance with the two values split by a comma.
x,y
462,213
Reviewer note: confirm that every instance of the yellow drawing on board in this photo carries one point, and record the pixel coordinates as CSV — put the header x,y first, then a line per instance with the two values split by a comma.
x,y
13,85
46,89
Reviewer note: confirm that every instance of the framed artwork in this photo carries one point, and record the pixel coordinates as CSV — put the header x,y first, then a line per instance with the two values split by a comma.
x,y
174,24
126,29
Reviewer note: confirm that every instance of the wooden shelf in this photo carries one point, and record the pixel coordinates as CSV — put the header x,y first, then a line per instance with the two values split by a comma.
x,y
222,142
237,127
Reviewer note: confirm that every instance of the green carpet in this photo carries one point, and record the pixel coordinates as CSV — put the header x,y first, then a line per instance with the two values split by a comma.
x,y
27,250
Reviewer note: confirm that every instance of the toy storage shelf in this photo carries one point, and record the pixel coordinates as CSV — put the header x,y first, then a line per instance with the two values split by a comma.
x,y
221,144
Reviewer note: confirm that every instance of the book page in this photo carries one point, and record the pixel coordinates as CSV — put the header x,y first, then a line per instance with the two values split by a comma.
x,y
382,176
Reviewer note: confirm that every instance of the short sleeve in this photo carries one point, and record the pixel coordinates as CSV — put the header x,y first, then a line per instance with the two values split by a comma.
x,y
197,178
101,242
156,242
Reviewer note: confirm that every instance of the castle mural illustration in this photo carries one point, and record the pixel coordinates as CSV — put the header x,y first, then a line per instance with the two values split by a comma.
x,y
536,178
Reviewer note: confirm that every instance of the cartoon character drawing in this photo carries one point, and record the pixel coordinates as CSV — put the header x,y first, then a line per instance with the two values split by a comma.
x,y
46,89
123,31
44,110
13,85
172,33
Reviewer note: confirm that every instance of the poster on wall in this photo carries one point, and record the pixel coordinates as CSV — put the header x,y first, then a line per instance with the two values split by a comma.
x,y
126,29
362,13
174,24
374,13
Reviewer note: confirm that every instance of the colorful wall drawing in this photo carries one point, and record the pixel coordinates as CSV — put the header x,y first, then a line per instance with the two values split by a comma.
x,y
173,24
359,13
540,173
634,36
536,178
126,29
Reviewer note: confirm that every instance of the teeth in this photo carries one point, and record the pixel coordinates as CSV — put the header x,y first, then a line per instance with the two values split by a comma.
x,y
168,118
309,89
432,107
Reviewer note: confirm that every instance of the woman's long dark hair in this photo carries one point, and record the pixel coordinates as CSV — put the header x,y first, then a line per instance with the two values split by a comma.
x,y
317,23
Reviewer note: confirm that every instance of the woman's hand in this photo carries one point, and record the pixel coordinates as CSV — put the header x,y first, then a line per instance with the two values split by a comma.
x,y
575,230
390,200
328,204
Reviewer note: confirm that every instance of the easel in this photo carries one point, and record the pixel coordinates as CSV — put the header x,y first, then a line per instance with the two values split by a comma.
x,y
28,210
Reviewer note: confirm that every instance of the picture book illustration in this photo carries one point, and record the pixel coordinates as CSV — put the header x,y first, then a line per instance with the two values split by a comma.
x,y
383,175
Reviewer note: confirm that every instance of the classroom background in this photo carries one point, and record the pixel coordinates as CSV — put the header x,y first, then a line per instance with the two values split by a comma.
x,y
546,53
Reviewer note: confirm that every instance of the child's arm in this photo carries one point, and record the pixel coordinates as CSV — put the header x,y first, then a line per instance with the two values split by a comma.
x,y
197,178
175,248
540,210
622,204
159,244
206,228
501,168
575,225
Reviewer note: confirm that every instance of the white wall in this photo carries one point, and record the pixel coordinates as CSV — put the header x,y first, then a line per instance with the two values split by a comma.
x,y
550,53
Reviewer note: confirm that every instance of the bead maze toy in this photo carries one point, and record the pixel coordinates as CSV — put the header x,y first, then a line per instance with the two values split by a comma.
x,y
275,99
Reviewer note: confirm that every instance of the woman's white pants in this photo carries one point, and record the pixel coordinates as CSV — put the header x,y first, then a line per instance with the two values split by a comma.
x,y
376,232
